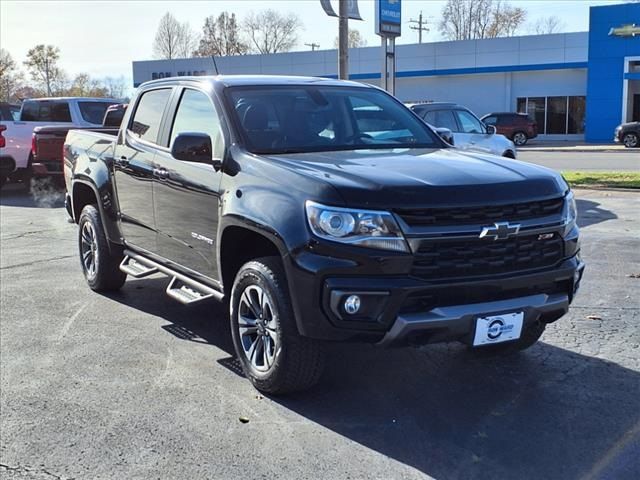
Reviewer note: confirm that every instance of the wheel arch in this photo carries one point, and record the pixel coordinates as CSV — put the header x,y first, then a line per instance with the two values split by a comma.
x,y
85,192
242,241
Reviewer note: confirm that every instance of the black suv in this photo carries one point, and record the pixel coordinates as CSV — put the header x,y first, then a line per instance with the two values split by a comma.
x,y
628,134
320,210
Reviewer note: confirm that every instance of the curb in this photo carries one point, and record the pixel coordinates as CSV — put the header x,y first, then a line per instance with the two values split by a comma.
x,y
605,189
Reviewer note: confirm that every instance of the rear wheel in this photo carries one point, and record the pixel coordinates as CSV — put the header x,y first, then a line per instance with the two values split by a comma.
x,y
530,335
520,138
273,355
101,267
631,140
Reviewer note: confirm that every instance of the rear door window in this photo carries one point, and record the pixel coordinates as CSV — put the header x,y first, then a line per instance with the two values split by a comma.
x,y
10,113
93,112
145,123
493,120
46,112
443,119
468,122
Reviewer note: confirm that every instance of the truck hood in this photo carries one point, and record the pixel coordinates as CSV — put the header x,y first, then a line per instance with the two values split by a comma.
x,y
425,177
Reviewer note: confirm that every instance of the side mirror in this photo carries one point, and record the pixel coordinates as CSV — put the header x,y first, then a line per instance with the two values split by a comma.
x,y
491,129
194,147
445,134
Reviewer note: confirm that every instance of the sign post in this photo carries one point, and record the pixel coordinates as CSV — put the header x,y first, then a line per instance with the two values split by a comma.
x,y
388,26
347,9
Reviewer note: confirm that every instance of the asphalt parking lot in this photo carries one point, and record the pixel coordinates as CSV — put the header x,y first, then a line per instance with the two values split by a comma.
x,y
134,385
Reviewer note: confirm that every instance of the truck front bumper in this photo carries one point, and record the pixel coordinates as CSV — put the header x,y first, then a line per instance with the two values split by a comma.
x,y
399,310
458,321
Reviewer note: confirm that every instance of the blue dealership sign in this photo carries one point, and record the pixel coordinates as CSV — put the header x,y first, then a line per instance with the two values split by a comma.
x,y
388,18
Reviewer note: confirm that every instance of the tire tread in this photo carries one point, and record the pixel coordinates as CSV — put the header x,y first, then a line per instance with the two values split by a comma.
x,y
109,277
303,357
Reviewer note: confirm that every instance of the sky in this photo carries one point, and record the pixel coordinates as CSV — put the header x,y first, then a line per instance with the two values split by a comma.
x,y
102,38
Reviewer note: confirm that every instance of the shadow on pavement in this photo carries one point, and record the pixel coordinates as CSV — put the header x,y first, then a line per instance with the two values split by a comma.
x,y
545,413
590,213
43,193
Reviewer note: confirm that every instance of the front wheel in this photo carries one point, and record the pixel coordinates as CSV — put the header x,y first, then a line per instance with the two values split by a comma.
x,y
520,138
101,267
631,140
273,355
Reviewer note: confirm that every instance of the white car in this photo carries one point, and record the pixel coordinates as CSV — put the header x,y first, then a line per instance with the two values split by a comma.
x,y
469,133
76,111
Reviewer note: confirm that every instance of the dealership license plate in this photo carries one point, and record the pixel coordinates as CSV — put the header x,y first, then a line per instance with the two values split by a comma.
x,y
498,328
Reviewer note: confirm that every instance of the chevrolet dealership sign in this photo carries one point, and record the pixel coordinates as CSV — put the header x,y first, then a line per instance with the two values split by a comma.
x,y
625,31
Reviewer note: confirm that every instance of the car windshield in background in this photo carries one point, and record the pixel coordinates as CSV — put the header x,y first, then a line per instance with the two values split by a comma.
x,y
93,112
292,119
14,111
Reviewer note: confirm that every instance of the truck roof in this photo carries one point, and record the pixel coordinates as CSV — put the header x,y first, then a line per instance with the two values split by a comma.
x,y
91,99
257,80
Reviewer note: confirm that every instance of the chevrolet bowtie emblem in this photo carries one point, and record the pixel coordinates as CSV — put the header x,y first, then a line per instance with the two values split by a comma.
x,y
500,231
625,31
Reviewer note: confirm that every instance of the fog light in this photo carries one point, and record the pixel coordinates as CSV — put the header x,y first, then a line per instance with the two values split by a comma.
x,y
352,304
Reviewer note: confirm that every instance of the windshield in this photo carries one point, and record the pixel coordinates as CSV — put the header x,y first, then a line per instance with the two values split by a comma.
x,y
292,119
93,112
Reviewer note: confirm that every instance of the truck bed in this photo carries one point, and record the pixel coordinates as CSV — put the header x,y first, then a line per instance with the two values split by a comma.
x,y
48,144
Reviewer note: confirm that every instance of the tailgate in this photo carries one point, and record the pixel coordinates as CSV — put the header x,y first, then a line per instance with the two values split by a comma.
x,y
49,147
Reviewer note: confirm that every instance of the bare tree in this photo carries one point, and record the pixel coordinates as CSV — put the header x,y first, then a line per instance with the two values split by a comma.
x,y
546,25
85,86
506,20
472,19
115,87
271,31
42,64
221,37
10,78
173,39
356,40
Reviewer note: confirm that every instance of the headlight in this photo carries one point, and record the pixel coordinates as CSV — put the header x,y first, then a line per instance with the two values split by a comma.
x,y
570,209
365,228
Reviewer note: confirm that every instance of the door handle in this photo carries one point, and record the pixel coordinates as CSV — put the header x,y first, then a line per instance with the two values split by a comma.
x,y
161,173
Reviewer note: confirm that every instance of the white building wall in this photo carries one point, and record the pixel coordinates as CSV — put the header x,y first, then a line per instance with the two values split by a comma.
x,y
464,78
430,57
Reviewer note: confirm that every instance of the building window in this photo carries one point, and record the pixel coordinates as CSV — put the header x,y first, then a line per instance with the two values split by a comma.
x,y
555,115
577,107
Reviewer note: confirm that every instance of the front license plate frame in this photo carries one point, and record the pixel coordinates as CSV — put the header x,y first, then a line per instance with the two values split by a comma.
x,y
498,328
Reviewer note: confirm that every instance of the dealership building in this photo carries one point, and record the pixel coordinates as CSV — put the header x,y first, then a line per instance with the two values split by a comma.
x,y
576,85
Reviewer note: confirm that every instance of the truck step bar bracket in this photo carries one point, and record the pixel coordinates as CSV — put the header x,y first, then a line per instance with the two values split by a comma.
x,y
137,268
181,287
187,293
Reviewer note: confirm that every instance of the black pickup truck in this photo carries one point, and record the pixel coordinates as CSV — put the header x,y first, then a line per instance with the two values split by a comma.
x,y
320,210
